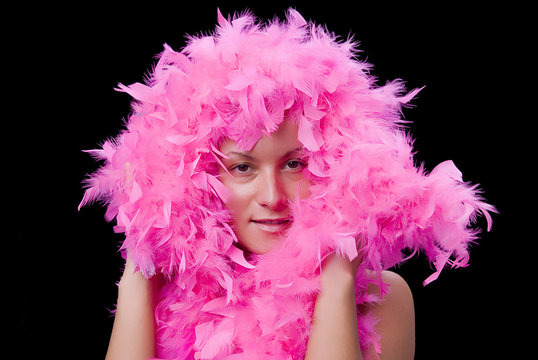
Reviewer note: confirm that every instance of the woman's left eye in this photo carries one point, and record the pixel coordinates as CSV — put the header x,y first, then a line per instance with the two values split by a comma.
x,y
295,164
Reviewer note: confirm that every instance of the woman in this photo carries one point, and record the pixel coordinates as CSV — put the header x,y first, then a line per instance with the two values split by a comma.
x,y
264,185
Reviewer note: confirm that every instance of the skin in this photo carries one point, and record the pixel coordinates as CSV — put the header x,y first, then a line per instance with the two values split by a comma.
x,y
261,182
133,330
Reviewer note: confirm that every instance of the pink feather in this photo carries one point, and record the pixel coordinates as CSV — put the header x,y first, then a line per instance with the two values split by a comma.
x,y
160,183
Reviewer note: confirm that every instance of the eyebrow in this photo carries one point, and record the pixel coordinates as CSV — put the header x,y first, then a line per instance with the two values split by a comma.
x,y
250,157
242,154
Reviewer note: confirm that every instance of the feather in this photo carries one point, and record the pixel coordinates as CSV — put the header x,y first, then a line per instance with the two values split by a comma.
x,y
160,182
306,135
136,192
238,257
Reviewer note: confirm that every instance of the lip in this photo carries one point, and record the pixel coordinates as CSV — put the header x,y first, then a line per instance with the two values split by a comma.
x,y
273,225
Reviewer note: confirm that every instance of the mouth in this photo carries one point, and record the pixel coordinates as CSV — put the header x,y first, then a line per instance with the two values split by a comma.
x,y
273,225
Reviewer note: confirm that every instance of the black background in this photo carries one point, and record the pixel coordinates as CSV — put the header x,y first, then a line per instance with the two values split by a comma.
x,y
63,63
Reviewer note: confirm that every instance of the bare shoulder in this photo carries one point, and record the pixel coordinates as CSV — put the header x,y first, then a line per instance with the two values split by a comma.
x,y
398,288
396,315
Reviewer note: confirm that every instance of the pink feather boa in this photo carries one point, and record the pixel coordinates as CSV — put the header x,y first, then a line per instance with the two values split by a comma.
x,y
159,182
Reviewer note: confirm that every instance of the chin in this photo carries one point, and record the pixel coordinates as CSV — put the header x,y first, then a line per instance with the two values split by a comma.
x,y
264,243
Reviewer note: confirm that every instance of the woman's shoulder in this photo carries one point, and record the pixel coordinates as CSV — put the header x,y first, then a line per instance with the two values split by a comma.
x,y
398,285
395,283
396,316
398,291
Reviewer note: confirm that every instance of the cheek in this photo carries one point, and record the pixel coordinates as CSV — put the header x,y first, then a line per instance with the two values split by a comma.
x,y
304,189
299,187
239,199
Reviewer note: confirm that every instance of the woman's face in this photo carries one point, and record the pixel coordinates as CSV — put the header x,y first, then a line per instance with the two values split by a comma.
x,y
261,181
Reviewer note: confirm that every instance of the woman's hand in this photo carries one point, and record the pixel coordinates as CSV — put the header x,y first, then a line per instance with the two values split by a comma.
x,y
338,274
334,333
133,331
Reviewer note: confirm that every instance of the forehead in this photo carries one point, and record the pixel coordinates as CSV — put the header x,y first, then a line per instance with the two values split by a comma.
x,y
278,143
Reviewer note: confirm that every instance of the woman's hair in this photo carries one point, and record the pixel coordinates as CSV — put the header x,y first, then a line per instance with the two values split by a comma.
x,y
158,179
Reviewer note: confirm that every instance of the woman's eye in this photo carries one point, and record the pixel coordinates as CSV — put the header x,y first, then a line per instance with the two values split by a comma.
x,y
241,168
295,165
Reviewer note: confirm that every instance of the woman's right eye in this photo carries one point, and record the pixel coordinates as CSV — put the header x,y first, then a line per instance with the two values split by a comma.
x,y
241,168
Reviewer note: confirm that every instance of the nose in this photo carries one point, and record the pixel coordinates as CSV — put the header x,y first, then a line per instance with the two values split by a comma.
x,y
271,191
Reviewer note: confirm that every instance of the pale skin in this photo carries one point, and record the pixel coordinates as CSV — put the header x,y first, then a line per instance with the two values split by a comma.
x,y
260,182
133,331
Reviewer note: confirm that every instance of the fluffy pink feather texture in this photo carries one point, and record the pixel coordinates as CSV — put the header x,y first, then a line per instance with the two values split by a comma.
x,y
159,183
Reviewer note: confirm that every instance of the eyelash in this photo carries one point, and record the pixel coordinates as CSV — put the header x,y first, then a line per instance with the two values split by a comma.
x,y
238,165
300,165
